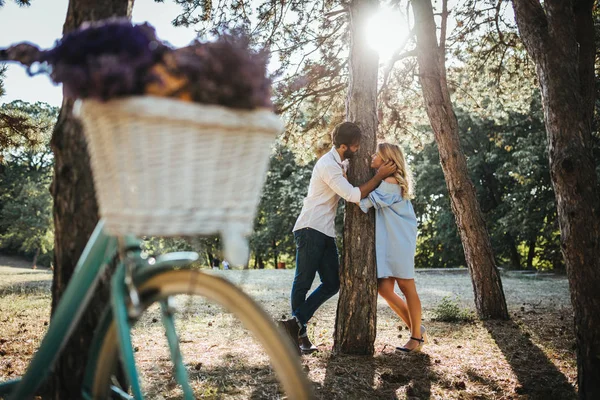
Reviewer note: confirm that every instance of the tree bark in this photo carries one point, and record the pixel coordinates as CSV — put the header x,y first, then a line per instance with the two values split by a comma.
x,y
76,212
531,252
355,327
515,257
489,295
260,263
559,36
35,257
275,254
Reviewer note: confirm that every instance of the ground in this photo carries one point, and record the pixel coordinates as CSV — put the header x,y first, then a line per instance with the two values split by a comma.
x,y
532,356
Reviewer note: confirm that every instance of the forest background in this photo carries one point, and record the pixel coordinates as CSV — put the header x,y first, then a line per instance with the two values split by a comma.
x,y
496,98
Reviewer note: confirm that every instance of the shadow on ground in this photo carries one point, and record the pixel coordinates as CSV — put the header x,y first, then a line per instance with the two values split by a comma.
x,y
383,376
538,376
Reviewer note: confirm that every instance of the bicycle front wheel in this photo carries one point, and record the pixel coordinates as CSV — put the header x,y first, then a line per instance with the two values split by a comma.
x,y
188,290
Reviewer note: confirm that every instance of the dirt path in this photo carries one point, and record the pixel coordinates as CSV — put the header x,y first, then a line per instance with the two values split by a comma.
x,y
529,357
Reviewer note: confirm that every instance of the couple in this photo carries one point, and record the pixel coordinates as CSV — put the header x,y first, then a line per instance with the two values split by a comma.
x,y
389,192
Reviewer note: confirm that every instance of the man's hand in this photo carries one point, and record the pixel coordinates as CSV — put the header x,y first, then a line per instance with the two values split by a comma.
x,y
386,170
383,172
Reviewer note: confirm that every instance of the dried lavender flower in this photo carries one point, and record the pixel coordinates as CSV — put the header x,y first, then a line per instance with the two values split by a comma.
x,y
105,59
225,72
113,58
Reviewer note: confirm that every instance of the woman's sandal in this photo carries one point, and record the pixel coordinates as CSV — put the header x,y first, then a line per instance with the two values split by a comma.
x,y
416,349
424,335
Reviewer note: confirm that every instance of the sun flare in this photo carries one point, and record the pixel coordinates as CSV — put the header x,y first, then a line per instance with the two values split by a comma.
x,y
386,31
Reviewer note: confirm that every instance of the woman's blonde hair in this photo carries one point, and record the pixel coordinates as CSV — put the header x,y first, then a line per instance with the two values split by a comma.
x,y
392,152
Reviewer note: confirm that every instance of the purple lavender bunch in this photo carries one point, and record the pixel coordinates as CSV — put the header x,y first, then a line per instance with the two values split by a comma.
x,y
226,72
113,58
105,59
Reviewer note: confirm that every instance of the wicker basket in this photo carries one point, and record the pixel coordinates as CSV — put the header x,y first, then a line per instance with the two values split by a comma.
x,y
164,167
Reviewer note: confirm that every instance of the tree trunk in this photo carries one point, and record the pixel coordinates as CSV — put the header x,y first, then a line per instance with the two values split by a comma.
x,y
355,327
75,212
559,36
515,257
531,252
35,257
260,262
489,296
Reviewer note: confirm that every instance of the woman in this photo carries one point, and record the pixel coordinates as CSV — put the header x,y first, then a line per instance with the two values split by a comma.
x,y
396,241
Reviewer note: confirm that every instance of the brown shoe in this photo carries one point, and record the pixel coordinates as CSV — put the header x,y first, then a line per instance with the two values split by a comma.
x,y
290,326
306,346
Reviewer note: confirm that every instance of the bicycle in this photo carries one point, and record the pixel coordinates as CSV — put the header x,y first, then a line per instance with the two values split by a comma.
x,y
139,282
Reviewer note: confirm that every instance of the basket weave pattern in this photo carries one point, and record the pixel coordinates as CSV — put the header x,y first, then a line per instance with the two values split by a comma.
x,y
164,167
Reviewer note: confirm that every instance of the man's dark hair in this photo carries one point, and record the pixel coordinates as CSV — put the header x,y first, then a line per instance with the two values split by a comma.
x,y
347,133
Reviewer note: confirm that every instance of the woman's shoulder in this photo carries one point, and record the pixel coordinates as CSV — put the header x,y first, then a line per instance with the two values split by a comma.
x,y
391,179
390,187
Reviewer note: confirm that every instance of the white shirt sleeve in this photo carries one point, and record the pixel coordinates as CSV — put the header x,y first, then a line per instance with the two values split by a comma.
x,y
333,176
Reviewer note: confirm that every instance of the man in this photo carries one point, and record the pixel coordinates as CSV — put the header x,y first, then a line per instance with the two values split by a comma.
x,y
314,232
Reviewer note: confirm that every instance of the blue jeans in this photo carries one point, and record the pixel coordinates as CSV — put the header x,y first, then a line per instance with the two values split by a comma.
x,y
315,252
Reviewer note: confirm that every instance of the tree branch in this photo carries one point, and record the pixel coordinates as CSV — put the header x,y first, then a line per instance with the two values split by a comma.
x,y
533,26
443,30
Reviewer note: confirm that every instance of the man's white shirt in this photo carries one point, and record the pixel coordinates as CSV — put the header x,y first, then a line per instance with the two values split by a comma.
x,y
327,184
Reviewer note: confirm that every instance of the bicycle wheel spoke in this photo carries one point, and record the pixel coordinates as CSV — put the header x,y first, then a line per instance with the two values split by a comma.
x,y
229,345
176,357
118,392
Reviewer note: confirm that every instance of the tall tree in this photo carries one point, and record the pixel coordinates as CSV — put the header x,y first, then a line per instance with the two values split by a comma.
x,y
76,210
356,318
559,36
25,174
489,295
17,129
508,164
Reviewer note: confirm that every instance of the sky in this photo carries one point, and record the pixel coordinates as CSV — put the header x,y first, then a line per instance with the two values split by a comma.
x,y
42,23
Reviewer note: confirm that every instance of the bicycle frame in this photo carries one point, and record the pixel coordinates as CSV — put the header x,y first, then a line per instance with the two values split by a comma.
x,y
98,253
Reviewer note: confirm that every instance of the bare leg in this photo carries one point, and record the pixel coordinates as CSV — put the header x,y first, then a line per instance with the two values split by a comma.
x,y
385,287
409,289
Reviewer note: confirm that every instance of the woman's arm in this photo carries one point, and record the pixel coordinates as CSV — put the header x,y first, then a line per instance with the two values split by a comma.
x,y
377,199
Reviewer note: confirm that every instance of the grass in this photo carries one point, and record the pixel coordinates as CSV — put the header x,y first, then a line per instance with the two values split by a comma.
x,y
531,356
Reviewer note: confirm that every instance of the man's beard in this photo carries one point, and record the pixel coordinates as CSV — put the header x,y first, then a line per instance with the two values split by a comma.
x,y
349,153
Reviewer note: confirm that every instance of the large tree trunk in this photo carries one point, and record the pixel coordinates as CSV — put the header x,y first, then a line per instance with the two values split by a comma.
x,y
489,296
76,212
355,327
559,36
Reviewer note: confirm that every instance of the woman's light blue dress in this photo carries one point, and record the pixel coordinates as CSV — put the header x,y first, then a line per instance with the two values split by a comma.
x,y
395,231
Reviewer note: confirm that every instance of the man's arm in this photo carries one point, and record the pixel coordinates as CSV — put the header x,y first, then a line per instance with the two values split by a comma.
x,y
333,176
383,172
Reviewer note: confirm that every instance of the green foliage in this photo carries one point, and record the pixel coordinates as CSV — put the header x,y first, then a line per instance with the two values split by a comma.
x,y
26,225
26,219
280,205
2,74
25,125
508,164
490,71
155,246
450,310
20,3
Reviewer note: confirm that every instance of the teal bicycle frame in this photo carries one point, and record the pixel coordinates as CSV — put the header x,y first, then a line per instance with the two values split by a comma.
x,y
99,252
